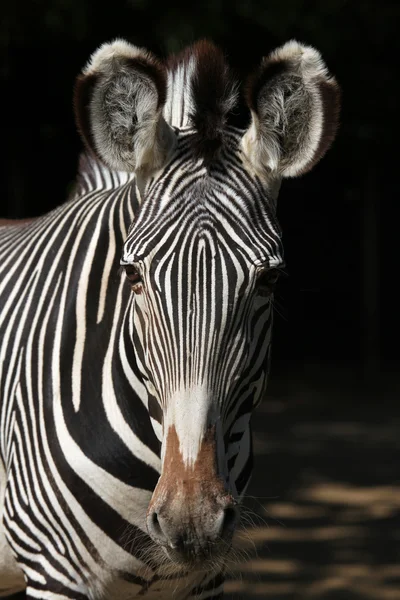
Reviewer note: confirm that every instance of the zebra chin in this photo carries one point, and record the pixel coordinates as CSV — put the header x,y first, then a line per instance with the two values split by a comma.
x,y
192,516
203,558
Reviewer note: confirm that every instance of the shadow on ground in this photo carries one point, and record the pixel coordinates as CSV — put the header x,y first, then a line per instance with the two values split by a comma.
x,y
324,517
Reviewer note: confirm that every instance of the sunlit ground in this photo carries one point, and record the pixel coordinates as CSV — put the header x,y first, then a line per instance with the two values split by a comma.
x,y
323,522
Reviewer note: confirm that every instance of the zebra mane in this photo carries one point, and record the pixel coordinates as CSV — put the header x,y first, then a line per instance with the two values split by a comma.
x,y
93,175
201,94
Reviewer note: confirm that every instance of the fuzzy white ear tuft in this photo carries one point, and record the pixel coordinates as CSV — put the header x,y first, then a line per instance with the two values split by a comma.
x,y
294,104
103,57
118,104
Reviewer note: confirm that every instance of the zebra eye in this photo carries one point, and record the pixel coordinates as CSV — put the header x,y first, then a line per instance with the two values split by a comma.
x,y
267,281
134,279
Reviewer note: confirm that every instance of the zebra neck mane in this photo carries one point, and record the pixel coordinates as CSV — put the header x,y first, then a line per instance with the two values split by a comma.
x,y
201,93
94,175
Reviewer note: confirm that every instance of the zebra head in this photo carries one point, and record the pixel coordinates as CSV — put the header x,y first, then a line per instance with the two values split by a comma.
x,y
203,253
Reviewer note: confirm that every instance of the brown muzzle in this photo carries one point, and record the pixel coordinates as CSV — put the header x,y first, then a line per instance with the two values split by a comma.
x,y
191,514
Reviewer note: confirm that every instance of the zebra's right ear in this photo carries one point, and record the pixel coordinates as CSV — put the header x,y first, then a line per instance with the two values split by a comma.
x,y
118,103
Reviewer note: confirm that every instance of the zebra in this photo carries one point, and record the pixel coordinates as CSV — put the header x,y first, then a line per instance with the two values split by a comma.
x,y
136,323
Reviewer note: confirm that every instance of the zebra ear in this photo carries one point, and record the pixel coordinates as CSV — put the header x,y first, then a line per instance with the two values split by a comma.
x,y
118,103
294,104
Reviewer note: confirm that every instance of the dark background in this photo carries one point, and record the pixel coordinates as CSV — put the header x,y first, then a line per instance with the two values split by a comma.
x,y
336,332
340,222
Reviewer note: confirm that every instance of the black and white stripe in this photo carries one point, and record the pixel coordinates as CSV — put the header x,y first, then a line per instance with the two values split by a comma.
x,y
92,375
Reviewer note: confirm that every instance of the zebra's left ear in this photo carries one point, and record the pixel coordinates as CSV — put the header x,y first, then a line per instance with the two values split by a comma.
x,y
118,103
294,104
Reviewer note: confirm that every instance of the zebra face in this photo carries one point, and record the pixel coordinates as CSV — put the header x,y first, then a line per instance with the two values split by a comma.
x,y
203,254
203,264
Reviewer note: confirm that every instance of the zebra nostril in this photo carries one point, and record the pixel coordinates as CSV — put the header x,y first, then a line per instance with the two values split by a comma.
x,y
229,521
154,528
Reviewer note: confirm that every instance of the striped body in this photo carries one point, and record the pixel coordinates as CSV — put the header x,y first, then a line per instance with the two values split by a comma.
x,y
103,390
77,443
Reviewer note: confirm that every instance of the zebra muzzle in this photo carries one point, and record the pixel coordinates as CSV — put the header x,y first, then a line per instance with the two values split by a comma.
x,y
191,514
